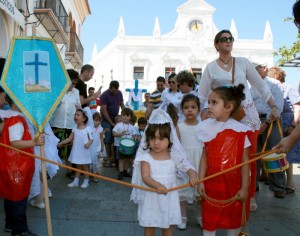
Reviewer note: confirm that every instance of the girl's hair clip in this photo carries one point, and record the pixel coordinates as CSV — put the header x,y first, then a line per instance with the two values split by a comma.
x,y
227,86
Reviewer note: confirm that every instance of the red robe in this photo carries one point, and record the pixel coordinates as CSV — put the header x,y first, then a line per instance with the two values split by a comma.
x,y
224,151
16,169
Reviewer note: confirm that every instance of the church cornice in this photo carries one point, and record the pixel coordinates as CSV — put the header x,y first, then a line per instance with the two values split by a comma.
x,y
195,6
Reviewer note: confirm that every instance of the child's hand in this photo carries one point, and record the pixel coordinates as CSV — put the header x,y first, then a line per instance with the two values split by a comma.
x,y
59,145
39,140
87,145
162,189
263,127
242,194
192,176
193,181
201,190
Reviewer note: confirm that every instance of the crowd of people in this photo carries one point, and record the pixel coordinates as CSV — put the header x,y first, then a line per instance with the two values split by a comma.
x,y
190,131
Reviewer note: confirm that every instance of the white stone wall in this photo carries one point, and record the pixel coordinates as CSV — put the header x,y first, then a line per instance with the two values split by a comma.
x,y
179,48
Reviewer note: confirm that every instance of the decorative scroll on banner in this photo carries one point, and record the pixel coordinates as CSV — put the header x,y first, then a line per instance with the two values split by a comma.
x,y
35,78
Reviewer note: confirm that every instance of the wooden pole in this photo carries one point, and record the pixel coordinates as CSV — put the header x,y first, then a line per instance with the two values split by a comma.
x,y
45,189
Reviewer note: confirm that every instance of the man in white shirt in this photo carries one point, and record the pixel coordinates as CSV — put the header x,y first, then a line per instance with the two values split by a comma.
x,y
276,180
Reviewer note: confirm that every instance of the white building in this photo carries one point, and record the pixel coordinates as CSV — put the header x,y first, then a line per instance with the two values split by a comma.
x,y
57,19
188,45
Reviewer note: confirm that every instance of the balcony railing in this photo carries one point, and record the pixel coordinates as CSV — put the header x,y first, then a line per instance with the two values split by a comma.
x,y
75,51
54,18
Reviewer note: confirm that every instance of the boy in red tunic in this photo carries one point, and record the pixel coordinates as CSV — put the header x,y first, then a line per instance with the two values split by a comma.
x,y
16,169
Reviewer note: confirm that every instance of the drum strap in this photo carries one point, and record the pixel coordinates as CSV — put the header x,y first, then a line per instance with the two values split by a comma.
x,y
269,133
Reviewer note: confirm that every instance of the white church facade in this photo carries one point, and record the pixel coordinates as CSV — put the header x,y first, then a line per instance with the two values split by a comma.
x,y
188,45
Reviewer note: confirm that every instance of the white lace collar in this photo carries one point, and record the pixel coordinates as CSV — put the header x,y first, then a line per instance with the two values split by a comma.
x,y
9,113
208,129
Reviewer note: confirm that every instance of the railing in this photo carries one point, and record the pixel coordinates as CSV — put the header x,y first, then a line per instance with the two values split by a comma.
x,y
75,45
58,9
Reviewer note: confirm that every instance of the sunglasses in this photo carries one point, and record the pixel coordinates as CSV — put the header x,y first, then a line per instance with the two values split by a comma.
x,y
171,82
225,39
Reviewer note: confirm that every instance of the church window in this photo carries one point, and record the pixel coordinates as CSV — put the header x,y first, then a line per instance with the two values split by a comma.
x,y
168,71
138,72
197,73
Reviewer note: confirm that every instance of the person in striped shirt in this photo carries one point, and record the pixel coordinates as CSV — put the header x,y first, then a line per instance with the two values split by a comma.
x,y
155,97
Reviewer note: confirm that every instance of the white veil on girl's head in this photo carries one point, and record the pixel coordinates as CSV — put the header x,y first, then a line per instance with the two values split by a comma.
x,y
177,152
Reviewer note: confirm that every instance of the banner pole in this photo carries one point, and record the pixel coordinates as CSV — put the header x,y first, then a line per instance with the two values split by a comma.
x,y
45,189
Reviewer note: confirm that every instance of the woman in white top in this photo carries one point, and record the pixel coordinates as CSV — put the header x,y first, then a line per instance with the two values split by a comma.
x,y
218,73
171,95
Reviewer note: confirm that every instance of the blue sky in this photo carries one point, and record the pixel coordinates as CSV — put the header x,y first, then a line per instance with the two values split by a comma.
x,y
139,16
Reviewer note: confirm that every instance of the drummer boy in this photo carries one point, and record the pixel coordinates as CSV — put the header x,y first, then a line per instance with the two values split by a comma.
x,y
124,134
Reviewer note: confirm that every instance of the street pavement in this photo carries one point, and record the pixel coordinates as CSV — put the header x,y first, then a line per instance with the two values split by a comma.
x,y
104,209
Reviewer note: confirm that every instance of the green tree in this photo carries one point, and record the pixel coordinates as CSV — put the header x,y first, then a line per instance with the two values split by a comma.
x,y
288,54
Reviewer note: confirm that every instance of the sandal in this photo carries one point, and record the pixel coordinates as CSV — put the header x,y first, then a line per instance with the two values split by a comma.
x,y
289,190
253,205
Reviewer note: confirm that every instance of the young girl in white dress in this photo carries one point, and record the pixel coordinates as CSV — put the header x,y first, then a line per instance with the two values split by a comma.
x,y
80,155
190,107
98,144
159,156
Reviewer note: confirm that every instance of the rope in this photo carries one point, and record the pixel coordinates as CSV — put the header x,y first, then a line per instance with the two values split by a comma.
x,y
221,203
227,170
137,186
269,133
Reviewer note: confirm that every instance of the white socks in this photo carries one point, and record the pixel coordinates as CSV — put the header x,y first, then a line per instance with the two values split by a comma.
x,y
76,180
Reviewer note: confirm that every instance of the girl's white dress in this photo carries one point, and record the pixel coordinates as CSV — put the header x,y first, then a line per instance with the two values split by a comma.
x,y
193,148
160,210
96,148
79,154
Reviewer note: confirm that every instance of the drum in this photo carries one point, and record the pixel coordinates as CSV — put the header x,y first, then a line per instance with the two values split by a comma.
x,y
126,146
275,163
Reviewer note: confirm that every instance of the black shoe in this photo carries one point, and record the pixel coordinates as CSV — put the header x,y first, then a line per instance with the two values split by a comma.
x,y
7,229
126,174
28,233
70,175
257,188
263,177
120,176
279,194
